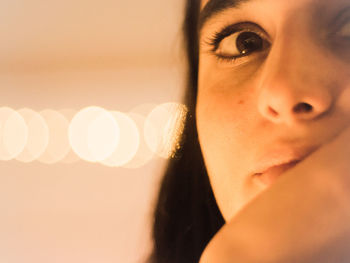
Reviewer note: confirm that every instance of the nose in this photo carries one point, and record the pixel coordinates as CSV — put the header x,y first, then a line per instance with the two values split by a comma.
x,y
292,89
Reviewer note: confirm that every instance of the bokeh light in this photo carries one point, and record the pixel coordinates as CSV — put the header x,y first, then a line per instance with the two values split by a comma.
x,y
94,134
58,146
163,128
128,144
38,136
68,113
103,136
71,156
144,153
13,134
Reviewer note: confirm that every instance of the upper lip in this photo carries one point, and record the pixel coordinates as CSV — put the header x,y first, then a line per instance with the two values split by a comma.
x,y
282,156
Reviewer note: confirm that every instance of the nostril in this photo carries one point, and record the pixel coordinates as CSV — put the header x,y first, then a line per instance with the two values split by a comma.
x,y
302,108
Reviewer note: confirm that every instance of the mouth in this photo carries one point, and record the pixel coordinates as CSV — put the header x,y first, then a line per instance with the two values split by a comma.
x,y
276,162
271,174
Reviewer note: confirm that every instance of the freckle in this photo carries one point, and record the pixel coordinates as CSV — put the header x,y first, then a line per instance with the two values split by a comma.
x,y
241,102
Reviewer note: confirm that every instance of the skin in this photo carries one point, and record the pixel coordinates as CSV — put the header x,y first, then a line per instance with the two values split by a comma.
x,y
303,217
246,110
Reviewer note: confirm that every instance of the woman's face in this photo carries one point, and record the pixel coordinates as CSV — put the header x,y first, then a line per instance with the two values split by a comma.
x,y
274,85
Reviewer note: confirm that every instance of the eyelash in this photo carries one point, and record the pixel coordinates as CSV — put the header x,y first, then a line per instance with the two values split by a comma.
x,y
227,31
231,60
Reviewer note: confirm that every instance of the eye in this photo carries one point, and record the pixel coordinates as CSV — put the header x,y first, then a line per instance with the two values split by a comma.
x,y
240,44
239,40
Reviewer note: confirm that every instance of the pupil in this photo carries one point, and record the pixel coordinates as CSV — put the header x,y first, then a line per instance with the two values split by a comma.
x,y
248,42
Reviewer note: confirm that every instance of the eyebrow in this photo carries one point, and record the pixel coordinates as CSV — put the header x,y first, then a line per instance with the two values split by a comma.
x,y
215,6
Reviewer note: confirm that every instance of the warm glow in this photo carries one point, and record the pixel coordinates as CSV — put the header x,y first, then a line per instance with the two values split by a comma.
x,y
13,134
103,136
58,146
114,139
143,109
94,134
163,128
129,141
71,157
68,113
144,154
38,136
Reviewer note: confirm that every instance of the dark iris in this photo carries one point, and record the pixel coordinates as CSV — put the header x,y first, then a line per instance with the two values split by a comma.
x,y
248,42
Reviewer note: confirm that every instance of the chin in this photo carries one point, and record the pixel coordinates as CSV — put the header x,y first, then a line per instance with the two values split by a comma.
x,y
235,204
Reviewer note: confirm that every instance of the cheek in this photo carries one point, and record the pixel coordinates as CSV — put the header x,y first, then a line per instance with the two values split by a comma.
x,y
225,133
226,121
227,97
224,104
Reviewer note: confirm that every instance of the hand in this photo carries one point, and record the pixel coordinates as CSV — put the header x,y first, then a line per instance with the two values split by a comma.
x,y
303,217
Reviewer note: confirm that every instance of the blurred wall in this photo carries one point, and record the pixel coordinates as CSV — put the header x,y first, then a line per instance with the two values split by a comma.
x,y
70,55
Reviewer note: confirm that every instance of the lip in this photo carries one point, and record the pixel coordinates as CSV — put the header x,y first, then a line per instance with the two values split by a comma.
x,y
270,175
274,163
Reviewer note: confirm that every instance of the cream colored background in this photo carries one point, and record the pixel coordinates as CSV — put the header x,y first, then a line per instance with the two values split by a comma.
x,y
73,54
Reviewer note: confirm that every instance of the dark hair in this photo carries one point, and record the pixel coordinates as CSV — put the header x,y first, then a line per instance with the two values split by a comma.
x,y
186,215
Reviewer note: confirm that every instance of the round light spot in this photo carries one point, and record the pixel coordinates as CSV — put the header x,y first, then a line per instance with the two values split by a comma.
x,y
94,134
58,146
71,157
68,113
144,154
163,128
103,136
13,134
38,136
129,141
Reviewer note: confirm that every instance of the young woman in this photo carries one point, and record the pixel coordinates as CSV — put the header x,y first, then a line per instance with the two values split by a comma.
x,y
266,149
